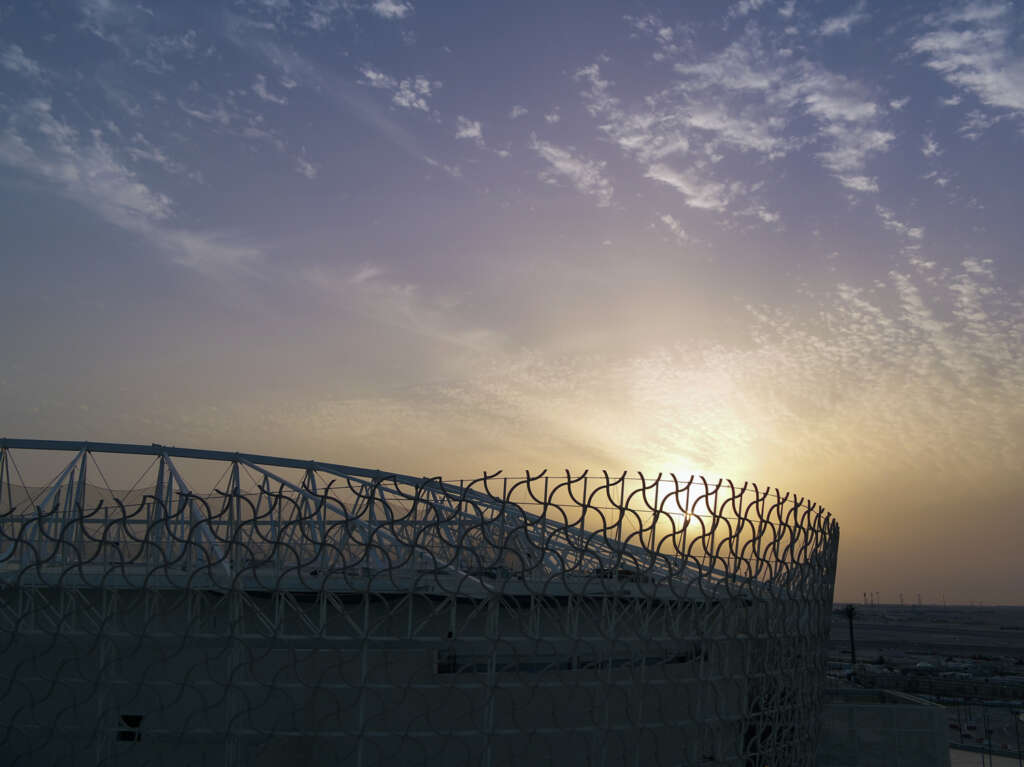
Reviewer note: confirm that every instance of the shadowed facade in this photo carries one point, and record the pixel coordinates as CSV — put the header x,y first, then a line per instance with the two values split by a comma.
x,y
300,610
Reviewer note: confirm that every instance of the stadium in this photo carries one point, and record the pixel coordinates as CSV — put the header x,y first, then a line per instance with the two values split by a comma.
x,y
172,606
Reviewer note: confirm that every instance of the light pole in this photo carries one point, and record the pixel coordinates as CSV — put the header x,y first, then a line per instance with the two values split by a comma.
x,y
851,611
1016,731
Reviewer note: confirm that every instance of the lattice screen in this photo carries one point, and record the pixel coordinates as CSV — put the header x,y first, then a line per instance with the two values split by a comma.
x,y
303,613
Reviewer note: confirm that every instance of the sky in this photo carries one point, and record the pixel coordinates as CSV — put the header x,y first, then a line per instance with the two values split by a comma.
x,y
778,242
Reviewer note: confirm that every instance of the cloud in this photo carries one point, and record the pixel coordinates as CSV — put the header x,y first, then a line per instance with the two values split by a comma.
x,y
86,169
141,148
929,146
341,92
391,9
768,216
898,104
126,25
377,79
668,40
586,175
745,7
972,48
852,144
452,170
698,193
320,14
599,101
305,167
735,131
747,98
552,117
207,252
260,89
154,51
744,65
889,221
366,272
518,111
218,113
113,21
977,122
675,227
411,93
469,129
842,24
851,391
13,59
859,183
317,15
399,304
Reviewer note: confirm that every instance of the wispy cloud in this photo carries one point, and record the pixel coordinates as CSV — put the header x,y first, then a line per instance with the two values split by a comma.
x,y
410,93
972,47
747,98
844,23
140,148
86,169
259,87
13,59
518,111
377,79
767,216
745,7
889,221
376,293
365,272
305,167
217,112
976,122
452,170
675,227
697,192
866,374
339,91
853,144
586,175
157,51
391,9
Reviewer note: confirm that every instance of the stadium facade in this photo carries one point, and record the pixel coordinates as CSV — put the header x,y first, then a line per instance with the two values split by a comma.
x,y
228,608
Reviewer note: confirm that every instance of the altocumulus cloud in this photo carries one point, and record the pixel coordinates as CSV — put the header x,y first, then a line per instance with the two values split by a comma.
x,y
584,174
88,171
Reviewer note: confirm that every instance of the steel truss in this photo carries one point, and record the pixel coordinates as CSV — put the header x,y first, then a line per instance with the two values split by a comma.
x,y
366,617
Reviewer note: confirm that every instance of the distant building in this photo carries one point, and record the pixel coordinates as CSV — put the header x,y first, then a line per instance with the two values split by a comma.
x,y
881,728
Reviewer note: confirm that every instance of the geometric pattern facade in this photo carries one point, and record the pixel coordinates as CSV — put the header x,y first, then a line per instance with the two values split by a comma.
x,y
170,606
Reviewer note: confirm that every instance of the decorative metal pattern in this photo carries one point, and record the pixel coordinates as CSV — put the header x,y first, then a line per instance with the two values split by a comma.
x,y
308,613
